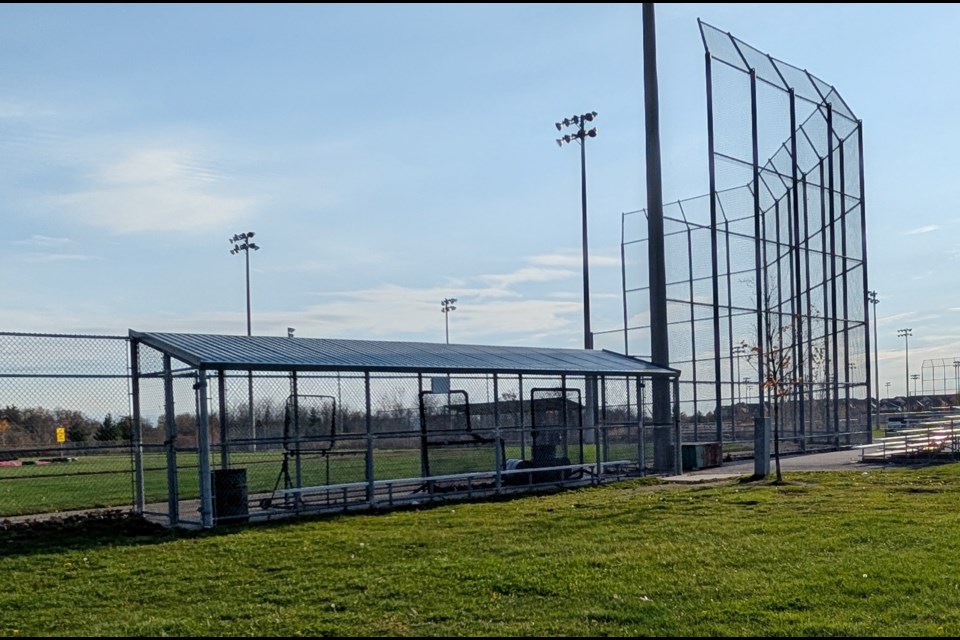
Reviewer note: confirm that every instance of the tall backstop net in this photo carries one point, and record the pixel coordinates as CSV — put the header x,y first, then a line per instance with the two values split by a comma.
x,y
766,275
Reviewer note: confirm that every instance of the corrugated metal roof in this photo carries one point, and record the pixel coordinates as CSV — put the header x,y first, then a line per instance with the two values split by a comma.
x,y
270,353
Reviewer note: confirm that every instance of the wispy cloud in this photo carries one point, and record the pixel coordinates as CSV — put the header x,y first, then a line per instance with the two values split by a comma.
x,y
57,257
925,229
405,313
37,240
546,268
561,260
897,316
527,274
156,190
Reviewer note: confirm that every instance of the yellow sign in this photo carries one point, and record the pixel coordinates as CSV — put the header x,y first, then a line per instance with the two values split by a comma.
x,y
61,435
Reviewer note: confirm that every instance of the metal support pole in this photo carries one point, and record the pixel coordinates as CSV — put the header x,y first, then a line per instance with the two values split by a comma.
x,y
847,365
298,465
521,427
222,394
369,471
799,418
906,359
623,289
735,387
758,244
587,331
833,279
498,441
591,410
876,365
809,292
641,439
827,310
424,455
170,444
660,340
714,260
863,249
253,419
677,438
136,435
693,341
600,452
203,443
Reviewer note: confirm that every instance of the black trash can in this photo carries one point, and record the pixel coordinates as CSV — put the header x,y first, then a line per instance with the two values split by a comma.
x,y
230,496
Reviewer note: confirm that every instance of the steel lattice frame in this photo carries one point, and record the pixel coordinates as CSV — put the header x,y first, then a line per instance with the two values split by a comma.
x,y
769,268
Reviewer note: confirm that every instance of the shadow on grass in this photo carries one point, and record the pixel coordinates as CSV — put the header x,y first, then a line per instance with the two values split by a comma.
x,y
116,527
97,529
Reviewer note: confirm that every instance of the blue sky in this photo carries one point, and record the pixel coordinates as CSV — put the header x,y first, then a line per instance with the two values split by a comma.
x,y
390,156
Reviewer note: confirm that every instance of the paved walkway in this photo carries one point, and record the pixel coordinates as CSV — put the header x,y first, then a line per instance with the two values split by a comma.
x,y
843,460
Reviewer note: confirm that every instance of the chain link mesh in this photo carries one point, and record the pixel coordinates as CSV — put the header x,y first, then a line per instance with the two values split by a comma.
x,y
806,322
288,442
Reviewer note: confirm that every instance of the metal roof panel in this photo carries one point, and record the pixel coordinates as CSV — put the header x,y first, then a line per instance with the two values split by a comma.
x,y
273,353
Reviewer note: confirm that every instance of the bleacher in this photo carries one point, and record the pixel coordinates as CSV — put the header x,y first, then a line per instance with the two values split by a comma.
x,y
916,437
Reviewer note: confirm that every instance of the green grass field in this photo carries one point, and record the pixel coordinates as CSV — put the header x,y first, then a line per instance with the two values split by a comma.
x,y
107,480
830,553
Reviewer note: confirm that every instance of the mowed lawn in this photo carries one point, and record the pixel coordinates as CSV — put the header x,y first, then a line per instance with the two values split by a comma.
x,y
830,553
98,481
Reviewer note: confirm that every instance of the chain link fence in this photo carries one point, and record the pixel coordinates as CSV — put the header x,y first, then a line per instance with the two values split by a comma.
x,y
66,427
340,441
309,441
939,383
766,275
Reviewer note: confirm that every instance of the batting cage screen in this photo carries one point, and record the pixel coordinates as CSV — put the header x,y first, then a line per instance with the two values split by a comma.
x,y
767,273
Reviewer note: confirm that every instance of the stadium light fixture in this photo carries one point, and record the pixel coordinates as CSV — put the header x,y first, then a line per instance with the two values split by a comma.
x,y
580,135
241,243
905,334
446,306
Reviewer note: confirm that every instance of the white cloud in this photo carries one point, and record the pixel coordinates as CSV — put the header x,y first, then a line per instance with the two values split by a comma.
x,y
57,257
546,268
925,229
527,274
46,247
44,241
897,316
398,313
573,260
156,190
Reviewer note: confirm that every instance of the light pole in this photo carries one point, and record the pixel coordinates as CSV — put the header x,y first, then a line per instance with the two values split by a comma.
x,y
887,385
581,135
915,377
873,299
242,242
446,306
905,334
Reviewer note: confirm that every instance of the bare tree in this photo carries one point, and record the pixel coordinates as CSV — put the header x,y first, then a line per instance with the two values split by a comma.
x,y
781,374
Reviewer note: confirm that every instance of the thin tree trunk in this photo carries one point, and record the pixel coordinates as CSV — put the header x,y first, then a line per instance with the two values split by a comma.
x,y
776,437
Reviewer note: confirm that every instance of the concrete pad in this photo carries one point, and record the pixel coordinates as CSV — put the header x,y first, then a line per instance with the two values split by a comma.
x,y
843,460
